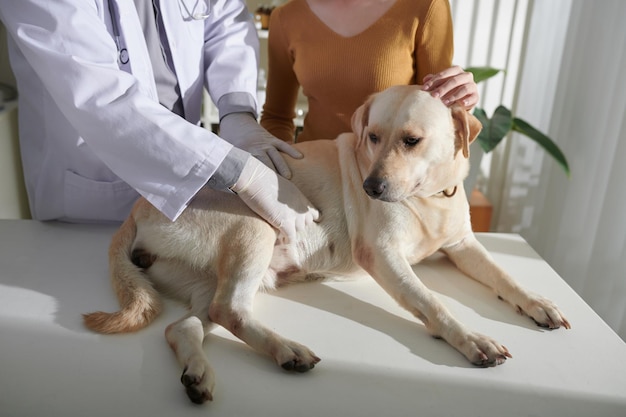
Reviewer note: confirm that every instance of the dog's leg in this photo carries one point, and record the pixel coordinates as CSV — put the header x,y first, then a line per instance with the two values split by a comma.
x,y
396,276
232,309
185,337
238,282
475,261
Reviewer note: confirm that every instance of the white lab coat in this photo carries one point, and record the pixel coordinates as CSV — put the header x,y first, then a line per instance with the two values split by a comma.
x,y
94,136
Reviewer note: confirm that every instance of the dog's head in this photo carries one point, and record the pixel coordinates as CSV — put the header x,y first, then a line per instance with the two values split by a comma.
x,y
413,143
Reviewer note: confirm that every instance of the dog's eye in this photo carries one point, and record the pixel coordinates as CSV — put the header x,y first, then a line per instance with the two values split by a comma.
x,y
373,138
411,141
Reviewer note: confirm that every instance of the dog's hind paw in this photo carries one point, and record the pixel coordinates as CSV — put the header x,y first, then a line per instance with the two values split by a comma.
x,y
295,365
296,357
198,387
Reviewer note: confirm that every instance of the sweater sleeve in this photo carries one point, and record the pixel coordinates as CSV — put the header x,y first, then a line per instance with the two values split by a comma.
x,y
282,84
435,40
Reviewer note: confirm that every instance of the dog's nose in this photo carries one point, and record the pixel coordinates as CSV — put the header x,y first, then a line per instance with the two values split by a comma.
x,y
374,187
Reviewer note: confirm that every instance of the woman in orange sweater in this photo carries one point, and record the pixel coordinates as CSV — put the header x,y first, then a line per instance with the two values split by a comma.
x,y
341,51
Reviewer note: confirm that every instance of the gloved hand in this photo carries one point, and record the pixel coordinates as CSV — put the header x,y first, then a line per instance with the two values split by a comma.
x,y
274,198
243,131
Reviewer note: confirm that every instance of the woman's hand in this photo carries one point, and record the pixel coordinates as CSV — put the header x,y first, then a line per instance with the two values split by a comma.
x,y
453,85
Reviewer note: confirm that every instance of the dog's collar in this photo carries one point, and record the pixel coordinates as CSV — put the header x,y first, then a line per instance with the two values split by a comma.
x,y
449,194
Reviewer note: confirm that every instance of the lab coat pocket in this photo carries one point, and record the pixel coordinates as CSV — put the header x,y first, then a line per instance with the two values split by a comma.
x,y
88,200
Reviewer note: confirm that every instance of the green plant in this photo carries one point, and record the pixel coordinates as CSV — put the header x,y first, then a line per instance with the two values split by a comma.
x,y
502,122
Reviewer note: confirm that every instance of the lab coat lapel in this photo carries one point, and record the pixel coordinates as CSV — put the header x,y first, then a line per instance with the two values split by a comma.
x,y
186,38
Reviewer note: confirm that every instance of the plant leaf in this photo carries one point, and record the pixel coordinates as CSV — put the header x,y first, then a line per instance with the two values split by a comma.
x,y
483,73
494,129
544,141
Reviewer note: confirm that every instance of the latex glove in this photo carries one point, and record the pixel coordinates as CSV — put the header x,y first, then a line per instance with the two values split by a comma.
x,y
453,85
243,131
274,198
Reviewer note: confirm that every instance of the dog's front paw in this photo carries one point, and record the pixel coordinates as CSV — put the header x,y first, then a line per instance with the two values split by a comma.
x,y
484,351
199,382
296,357
544,312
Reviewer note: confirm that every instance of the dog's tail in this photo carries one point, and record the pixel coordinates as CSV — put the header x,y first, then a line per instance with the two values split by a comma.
x,y
140,302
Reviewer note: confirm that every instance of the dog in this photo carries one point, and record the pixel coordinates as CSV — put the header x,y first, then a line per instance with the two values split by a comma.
x,y
390,194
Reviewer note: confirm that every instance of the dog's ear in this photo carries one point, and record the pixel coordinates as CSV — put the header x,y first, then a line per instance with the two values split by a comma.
x,y
466,127
360,119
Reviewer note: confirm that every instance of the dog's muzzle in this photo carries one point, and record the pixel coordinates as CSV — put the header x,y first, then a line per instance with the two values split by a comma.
x,y
375,187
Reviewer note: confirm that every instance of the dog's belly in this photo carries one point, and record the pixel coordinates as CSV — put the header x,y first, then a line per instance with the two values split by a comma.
x,y
317,255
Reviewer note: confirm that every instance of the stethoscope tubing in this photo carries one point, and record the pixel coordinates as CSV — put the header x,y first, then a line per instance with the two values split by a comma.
x,y
122,52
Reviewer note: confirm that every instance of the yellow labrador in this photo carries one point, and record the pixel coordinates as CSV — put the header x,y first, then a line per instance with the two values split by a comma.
x,y
390,193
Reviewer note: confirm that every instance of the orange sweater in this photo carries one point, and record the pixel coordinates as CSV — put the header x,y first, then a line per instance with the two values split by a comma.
x,y
412,39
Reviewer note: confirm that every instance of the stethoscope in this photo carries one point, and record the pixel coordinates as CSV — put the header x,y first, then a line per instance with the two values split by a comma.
x,y
122,52
192,13
123,56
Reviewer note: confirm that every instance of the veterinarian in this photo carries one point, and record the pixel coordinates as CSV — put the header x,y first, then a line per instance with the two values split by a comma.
x,y
349,50
110,104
